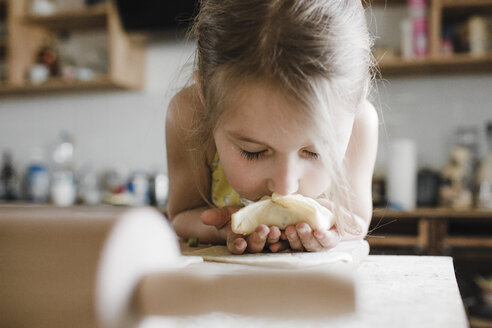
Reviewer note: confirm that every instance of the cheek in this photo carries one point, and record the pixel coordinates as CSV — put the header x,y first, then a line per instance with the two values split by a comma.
x,y
316,181
244,176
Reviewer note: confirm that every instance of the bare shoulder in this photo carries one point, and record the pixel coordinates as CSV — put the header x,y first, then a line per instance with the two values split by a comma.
x,y
181,109
367,118
364,140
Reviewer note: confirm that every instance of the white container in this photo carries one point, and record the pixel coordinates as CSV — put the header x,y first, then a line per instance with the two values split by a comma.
x,y
43,7
63,188
402,174
406,38
38,74
477,29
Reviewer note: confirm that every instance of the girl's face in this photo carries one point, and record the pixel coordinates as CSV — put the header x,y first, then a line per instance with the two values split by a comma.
x,y
266,146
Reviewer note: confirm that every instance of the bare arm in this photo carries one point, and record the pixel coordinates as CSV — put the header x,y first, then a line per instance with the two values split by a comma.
x,y
360,160
185,203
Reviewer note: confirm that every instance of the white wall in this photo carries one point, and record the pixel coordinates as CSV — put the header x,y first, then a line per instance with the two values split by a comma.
x,y
430,110
127,128
110,128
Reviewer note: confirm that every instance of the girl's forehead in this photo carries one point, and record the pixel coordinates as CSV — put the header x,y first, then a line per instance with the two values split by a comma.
x,y
265,114
257,103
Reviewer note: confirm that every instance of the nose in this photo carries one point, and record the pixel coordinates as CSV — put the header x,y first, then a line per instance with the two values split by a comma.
x,y
284,177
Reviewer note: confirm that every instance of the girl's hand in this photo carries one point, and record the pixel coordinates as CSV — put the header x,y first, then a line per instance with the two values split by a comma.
x,y
220,218
301,237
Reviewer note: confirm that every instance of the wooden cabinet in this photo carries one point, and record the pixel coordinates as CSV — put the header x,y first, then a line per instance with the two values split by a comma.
x,y
123,55
440,13
3,40
433,231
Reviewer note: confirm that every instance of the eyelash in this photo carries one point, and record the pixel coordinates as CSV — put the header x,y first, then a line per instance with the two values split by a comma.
x,y
311,154
252,155
257,155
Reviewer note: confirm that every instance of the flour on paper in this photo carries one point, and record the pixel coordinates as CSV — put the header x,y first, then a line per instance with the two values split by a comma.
x,y
351,252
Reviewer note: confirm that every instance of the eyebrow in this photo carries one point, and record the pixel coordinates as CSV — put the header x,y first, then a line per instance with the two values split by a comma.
x,y
239,136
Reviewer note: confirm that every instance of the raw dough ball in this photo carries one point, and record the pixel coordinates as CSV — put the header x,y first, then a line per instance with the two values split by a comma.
x,y
282,211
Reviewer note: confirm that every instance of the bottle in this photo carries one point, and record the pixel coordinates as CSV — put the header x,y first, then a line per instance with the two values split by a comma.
x,y
9,181
477,31
428,182
63,186
139,188
418,17
159,189
38,178
485,174
89,187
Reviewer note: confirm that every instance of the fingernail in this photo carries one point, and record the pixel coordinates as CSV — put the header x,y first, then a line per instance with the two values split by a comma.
x,y
303,228
239,244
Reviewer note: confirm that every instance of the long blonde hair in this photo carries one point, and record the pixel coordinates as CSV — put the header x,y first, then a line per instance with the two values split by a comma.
x,y
318,52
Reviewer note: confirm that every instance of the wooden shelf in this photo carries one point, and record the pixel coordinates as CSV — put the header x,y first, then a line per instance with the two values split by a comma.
x,y
433,213
477,322
439,11
432,231
59,84
443,64
90,18
393,241
27,33
3,47
467,242
386,2
465,3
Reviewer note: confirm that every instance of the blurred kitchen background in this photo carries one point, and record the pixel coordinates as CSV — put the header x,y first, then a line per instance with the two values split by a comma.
x,y
85,84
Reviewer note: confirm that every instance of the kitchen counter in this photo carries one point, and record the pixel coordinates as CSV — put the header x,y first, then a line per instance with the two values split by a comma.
x,y
391,291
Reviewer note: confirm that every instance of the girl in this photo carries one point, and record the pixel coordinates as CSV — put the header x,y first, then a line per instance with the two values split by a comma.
x,y
278,105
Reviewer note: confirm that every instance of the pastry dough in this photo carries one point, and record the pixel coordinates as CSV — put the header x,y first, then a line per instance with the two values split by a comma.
x,y
282,211
346,253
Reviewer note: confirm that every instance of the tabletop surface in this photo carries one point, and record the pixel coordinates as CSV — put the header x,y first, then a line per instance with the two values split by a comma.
x,y
391,291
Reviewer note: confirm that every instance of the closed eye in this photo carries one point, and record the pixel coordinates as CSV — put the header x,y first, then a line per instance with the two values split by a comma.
x,y
252,155
311,154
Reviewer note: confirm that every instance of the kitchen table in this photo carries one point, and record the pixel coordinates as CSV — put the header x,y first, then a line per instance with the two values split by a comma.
x,y
47,242
391,291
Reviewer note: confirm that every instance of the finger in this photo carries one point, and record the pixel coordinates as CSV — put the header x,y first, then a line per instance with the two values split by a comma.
x,y
306,236
218,217
293,238
273,235
279,246
327,239
236,245
283,236
257,240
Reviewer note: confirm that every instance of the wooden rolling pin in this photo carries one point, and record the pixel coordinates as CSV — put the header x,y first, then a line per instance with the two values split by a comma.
x,y
92,270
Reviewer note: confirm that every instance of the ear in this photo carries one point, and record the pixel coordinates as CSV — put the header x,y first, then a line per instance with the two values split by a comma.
x,y
196,78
